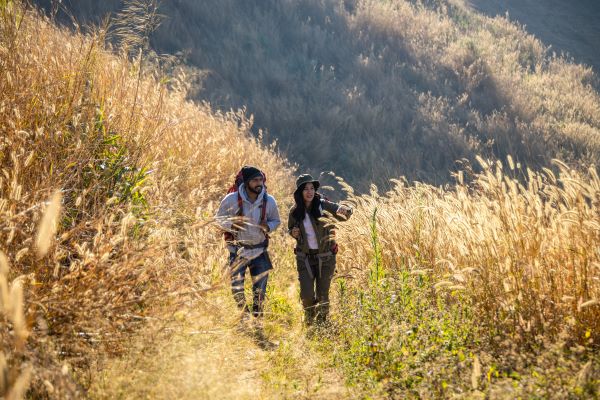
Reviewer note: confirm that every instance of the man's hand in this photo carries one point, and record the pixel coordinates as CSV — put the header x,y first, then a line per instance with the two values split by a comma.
x,y
295,232
265,227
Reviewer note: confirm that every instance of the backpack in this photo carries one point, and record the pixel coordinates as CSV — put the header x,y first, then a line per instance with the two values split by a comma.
x,y
239,179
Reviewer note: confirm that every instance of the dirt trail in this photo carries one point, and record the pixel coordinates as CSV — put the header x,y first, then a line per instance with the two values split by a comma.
x,y
208,354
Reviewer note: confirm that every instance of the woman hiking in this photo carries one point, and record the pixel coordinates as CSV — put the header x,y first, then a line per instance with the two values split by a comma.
x,y
315,246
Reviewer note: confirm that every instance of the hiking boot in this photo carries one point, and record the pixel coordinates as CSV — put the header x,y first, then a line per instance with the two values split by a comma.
x,y
322,312
309,311
240,300
245,322
309,316
257,311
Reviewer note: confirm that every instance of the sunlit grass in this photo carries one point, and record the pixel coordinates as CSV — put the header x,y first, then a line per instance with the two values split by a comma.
x,y
503,268
136,172
109,180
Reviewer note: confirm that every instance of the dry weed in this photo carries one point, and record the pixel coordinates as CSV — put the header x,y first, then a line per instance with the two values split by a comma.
x,y
134,172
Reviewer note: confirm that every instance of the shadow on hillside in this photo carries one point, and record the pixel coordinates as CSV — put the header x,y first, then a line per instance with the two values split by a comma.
x,y
369,92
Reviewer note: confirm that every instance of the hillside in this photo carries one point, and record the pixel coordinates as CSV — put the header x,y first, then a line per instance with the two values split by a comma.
x,y
374,90
571,28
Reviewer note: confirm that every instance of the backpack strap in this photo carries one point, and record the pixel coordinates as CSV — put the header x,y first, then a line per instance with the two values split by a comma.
x,y
240,212
263,211
263,216
230,236
303,257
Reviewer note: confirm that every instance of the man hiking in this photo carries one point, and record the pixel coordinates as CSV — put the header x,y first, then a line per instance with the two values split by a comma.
x,y
247,215
315,245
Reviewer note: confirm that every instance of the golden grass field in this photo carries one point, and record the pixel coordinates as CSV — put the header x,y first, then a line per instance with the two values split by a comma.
x,y
111,272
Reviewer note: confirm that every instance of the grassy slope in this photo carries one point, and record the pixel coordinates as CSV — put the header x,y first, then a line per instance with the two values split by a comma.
x,y
374,90
140,171
488,289
570,28
441,293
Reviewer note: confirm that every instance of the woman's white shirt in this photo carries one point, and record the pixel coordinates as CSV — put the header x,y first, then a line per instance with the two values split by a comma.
x,y
311,236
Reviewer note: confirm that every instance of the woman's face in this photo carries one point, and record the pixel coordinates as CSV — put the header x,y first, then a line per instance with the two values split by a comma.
x,y
308,193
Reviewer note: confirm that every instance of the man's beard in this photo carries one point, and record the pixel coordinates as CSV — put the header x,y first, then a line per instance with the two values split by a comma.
x,y
256,190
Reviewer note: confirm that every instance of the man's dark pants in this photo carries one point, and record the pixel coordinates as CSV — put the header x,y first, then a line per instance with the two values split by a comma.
x,y
314,287
259,271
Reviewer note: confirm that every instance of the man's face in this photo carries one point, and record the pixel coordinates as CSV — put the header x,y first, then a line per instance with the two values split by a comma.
x,y
255,185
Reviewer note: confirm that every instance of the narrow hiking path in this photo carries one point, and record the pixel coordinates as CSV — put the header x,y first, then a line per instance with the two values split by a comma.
x,y
207,352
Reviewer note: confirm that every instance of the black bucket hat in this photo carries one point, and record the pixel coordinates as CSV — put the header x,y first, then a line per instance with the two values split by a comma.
x,y
306,178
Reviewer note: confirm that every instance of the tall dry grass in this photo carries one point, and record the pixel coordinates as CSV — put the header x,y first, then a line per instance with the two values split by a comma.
x,y
131,173
14,375
521,247
489,288
109,177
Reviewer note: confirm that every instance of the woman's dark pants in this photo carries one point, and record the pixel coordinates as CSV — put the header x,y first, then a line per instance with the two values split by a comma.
x,y
314,287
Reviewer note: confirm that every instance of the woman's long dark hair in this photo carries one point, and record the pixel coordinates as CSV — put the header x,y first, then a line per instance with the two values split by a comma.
x,y
300,211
